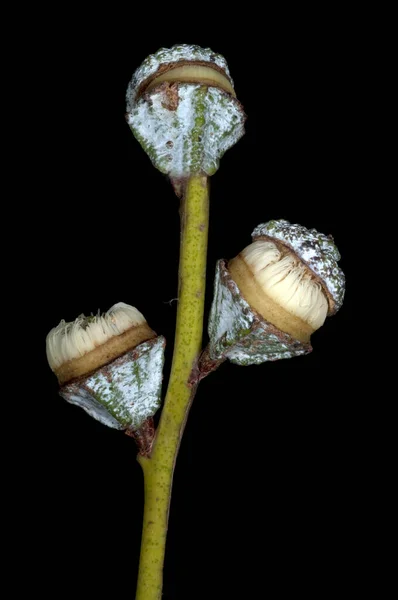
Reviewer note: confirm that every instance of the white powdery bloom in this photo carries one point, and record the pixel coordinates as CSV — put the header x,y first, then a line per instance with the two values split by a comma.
x,y
77,338
287,281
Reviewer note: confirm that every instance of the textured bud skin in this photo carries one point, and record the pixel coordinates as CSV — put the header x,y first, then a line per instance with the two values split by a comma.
x,y
127,391
316,250
239,333
185,128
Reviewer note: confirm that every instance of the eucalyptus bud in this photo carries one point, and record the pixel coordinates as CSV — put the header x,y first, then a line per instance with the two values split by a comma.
x,y
110,365
182,108
270,298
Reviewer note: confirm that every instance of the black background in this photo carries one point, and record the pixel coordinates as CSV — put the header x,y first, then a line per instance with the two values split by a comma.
x,y
263,488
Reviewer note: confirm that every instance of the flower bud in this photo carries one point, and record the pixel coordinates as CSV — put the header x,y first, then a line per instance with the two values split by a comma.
x,y
281,288
110,365
182,108
274,294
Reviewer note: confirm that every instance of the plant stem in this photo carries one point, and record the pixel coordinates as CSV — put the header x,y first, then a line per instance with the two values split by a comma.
x,y
158,468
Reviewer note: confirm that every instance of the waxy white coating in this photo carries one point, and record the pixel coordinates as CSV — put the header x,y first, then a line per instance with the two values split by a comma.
x,y
124,393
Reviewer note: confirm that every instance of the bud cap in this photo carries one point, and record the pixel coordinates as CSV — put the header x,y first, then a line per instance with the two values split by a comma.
x,y
164,56
316,250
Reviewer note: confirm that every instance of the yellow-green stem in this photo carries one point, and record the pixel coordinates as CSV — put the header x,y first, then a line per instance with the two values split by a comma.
x,y
159,467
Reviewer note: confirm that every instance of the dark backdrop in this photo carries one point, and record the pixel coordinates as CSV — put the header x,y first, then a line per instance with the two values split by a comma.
x,y
263,485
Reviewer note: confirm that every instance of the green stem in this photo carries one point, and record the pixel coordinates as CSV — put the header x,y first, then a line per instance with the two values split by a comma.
x,y
159,467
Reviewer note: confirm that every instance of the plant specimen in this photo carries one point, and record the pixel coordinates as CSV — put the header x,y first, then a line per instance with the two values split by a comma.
x,y
182,108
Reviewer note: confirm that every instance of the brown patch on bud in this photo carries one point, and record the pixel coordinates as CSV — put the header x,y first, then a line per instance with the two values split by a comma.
x,y
144,437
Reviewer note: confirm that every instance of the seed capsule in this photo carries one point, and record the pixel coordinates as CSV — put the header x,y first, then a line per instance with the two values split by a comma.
x,y
110,365
270,298
182,108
